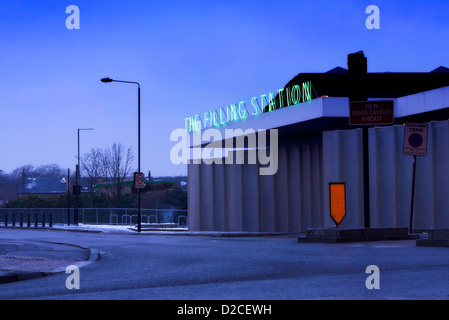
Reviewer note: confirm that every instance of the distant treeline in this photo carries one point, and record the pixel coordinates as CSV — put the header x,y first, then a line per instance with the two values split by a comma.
x,y
173,198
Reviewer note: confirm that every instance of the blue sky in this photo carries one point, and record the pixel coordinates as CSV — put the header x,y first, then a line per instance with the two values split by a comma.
x,y
189,56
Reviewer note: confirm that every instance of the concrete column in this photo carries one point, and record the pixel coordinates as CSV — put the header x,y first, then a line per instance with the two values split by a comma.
x,y
235,197
294,192
306,185
194,197
219,198
207,197
251,198
425,189
267,203
440,136
316,177
281,192
403,180
382,177
342,156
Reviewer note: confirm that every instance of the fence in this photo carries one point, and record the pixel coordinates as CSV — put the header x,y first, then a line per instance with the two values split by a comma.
x,y
39,217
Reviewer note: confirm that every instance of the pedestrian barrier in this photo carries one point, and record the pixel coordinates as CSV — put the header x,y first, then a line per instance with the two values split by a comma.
x,y
126,216
113,215
179,221
38,218
49,217
143,216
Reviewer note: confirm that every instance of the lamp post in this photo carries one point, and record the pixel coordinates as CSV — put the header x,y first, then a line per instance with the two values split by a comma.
x,y
108,80
78,186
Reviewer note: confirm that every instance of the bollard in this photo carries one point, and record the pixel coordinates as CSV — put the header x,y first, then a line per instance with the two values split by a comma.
x,y
43,219
29,219
35,219
21,219
51,219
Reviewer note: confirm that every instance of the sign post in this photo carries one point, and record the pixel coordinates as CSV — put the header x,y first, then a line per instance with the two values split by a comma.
x,y
415,144
365,114
139,180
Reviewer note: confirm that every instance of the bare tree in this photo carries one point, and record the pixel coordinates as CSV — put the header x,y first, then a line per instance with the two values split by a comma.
x,y
43,171
27,170
91,167
49,171
113,166
117,166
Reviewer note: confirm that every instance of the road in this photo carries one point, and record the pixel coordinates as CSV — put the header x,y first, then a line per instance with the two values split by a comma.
x,y
159,267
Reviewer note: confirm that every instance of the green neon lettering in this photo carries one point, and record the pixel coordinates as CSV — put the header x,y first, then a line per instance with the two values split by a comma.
x,y
272,104
207,119
188,126
296,94
243,115
221,116
261,100
255,107
211,118
281,98
306,91
231,113
215,118
287,97
287,91
198,123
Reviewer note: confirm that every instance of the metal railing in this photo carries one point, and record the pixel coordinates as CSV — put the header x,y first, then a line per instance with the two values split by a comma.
x,y
41,217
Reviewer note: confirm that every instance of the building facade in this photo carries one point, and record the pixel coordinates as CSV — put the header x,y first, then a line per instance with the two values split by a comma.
x,y
317,146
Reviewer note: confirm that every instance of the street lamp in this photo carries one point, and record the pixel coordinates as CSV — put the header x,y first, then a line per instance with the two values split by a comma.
x,y
108,80
78,186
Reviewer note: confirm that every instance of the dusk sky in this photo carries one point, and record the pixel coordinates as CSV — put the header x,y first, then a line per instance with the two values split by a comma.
x,y
189,57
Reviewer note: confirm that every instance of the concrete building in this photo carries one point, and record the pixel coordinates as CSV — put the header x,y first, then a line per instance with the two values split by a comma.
x,y
317,146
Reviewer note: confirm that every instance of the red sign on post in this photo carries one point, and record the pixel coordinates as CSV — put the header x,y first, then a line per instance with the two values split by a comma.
x,y
139,180
368,113
415,139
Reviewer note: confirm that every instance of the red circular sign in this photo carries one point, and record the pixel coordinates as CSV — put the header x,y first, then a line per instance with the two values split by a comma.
x,y
140,180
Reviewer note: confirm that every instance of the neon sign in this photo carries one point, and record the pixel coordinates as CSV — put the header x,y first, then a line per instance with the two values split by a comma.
x,y
237,112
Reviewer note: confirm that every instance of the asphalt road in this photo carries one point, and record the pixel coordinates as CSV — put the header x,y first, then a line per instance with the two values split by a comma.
x,y
247,268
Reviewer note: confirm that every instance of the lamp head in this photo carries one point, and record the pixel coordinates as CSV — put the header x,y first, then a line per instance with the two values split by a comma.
x,y
106,80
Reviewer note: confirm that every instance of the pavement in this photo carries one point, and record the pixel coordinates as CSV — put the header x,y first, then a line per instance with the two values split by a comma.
x,y
25,260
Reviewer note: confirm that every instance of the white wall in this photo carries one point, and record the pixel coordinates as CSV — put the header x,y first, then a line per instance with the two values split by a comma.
x,y
236,198
342,163
390,177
